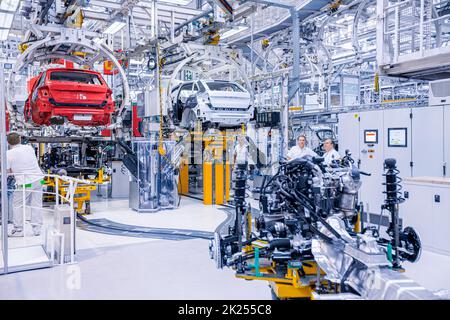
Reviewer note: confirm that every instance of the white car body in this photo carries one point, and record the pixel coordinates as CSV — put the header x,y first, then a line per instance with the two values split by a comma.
x,y
224,103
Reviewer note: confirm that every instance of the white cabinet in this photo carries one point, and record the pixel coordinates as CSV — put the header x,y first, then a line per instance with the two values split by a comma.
x,y
372,158
348,134
447,140
399,119
427,210
416,212
441,218
428,141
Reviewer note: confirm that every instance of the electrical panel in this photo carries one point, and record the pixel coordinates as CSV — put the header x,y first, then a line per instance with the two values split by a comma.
x,y
268,119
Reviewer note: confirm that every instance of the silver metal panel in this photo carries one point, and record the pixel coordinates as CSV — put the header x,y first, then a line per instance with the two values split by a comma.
x,y
372,158
399,118
428,141
119,180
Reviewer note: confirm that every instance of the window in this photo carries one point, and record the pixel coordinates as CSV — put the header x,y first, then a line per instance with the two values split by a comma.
x,y
201,87
185,92
176,88
325,134
195,89
39,83
223,86
79,77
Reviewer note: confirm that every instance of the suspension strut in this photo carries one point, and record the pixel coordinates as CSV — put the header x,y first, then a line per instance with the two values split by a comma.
x,y
391,203
240,181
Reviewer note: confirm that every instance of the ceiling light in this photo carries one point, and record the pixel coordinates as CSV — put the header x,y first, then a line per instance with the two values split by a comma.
x,y
9,5
115,27
6,20
179,2
3,34
232,32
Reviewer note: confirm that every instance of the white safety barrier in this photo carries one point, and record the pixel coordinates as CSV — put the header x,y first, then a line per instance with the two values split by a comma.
x,y
53,236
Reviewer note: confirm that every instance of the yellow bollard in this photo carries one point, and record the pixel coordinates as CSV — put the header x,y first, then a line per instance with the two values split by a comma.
x,y
219,190
183,184
207,183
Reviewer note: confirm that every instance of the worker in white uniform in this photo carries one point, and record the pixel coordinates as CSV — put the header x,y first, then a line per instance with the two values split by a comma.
x,y
330,153
23,164
241,153
300,150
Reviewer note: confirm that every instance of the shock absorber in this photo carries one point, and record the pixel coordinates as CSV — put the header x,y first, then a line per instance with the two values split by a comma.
x,y
240,182
391,203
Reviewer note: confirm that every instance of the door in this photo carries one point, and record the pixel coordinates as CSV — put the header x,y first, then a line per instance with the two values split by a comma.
x,y
397,142
428,141
417,212
371,159
348,133
441,218
447,141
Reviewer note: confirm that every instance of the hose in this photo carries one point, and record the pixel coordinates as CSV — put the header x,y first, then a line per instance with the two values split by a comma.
x,y
179,232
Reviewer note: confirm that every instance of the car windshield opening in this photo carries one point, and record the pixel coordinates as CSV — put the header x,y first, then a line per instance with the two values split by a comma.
x,y
79,77
224,86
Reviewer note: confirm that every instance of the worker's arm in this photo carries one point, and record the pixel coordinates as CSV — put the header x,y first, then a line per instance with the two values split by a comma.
x,y
289,155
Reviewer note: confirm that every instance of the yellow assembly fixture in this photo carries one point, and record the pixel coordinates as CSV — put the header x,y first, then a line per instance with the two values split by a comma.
x,y
291,286
22,47
82,194
79,54
216,170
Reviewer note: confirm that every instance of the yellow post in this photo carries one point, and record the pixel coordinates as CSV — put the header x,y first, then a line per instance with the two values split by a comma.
x,y
41,150
207,183
100,175
357,228
227,180
183,184
219,190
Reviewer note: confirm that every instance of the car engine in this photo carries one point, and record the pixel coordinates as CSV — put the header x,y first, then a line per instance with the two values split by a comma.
x,y
309,240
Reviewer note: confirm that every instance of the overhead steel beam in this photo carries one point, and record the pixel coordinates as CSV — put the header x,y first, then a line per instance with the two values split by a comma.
x,y
161,7
274,3
201,15
138,21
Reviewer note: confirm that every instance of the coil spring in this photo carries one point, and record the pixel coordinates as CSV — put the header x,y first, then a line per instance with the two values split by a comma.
x,y
393,186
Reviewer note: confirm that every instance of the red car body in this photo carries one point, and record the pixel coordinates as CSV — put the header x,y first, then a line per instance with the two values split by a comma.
x,y
80,96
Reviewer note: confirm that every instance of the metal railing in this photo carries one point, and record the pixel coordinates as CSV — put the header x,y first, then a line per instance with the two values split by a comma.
x,y
414,29
68,198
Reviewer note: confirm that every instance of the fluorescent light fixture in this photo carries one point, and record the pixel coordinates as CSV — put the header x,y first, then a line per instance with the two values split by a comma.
x,y
232,32
6,20
9,5
179,2
115,27
3,34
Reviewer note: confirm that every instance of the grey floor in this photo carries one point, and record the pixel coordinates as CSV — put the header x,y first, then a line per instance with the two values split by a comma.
x,y
117,267
152,270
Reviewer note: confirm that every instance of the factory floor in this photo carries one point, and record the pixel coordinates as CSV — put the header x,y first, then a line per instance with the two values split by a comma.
x,y
120,267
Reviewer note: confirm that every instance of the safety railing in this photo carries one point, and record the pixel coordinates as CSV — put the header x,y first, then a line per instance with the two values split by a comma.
x,y
413,29
71,185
